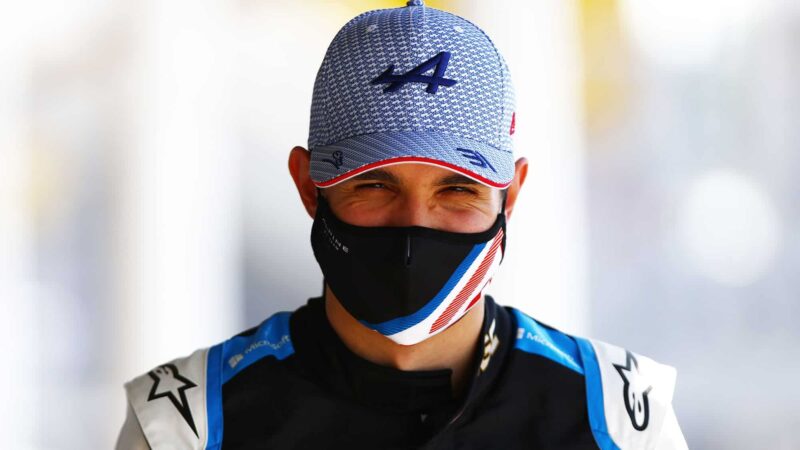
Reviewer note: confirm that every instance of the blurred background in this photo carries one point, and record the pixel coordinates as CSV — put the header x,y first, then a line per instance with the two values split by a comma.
x,y
146,209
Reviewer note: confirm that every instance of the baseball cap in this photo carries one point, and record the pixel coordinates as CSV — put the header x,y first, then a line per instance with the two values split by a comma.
x,y
412,84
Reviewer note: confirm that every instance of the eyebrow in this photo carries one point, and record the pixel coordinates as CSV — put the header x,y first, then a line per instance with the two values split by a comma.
x,y
376,175
383,175
455,179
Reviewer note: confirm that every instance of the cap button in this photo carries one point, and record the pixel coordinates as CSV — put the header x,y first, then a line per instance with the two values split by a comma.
x,y
415,3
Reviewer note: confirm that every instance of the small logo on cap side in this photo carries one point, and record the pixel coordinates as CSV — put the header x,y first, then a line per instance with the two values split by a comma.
x,y
475,158
415,75
338,159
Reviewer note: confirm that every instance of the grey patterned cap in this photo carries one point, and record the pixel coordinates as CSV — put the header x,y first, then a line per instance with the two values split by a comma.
x,y
412,84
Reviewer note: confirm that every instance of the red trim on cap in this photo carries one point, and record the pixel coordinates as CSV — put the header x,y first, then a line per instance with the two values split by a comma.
x,y
411,159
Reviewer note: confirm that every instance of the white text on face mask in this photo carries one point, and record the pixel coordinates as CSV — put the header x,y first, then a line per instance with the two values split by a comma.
x,y
333,240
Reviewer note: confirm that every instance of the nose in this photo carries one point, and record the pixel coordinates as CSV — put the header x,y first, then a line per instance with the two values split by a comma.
x,y
412,210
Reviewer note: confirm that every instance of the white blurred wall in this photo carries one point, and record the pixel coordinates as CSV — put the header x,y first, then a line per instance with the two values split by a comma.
x,y
19,342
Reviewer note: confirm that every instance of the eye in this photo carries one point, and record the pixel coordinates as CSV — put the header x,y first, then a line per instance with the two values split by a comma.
x,y
460,190
375,185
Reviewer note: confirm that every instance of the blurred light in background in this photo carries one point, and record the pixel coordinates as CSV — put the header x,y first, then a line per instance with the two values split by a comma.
x,y
683,33
691,148
146,209
729,228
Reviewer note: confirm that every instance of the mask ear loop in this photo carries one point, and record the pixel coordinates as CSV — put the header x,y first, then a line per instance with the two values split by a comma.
x,y
319,196
503,212
320,199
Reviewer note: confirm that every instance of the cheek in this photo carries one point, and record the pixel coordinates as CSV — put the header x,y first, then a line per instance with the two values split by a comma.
x,y
367,208
468,221
365,212
469,214
367,217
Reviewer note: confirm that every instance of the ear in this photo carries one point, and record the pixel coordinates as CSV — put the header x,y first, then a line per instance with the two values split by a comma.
x,y
520,172
299,164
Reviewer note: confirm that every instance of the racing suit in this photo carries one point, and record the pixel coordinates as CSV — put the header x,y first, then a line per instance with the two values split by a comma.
x,y
292,383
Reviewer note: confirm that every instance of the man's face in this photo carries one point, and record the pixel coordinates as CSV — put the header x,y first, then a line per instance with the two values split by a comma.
x,y
414,194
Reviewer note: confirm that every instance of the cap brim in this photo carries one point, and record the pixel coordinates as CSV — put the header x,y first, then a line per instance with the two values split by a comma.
x,y
335,163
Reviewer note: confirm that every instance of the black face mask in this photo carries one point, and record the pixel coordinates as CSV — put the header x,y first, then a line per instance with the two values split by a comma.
x,y
408,283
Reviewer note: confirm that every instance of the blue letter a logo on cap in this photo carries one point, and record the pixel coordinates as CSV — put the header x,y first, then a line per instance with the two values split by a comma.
x,y
415,75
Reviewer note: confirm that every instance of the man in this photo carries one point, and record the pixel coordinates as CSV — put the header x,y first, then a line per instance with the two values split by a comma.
x,y
410,180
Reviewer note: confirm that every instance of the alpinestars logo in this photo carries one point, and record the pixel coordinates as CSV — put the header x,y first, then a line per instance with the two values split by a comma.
x,y
490,343
415,75
634,392
167,382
